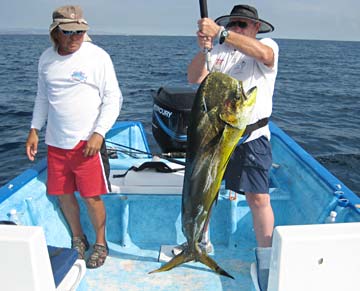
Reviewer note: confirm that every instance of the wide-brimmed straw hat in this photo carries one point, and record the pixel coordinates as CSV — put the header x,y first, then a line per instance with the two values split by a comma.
x,y
247,12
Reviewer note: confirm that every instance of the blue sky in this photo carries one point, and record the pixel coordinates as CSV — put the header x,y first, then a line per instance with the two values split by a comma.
x,y
299,19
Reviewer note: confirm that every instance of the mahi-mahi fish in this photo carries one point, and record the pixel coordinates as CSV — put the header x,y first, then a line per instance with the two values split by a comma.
x,y
220,113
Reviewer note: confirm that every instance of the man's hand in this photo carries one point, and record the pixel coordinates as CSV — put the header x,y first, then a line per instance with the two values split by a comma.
x,y
32,144
93,145
207,27
204,42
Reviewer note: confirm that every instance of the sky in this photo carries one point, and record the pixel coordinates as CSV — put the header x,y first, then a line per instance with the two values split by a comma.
x,y
295,19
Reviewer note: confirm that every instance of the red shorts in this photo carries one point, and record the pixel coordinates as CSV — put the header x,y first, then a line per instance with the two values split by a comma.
x,y
70,171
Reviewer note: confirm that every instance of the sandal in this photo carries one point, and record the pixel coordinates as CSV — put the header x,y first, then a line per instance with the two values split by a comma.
x,y
97,258
81,245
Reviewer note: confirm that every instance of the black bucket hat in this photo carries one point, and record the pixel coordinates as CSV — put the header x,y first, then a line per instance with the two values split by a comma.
x,y
248,12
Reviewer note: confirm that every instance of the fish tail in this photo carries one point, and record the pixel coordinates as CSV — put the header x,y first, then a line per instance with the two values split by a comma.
x,y
181,258
206,260
187,256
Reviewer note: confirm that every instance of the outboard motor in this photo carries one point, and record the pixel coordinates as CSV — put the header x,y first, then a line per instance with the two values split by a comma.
x,y
170,119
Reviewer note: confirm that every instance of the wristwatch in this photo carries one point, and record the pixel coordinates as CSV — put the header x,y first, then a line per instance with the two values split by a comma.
x,y
223,35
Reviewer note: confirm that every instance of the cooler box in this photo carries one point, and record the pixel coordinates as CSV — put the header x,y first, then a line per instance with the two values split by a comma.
x,y
315,257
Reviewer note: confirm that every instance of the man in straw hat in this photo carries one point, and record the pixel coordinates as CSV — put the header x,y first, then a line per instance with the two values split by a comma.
x,y
241,55
79,97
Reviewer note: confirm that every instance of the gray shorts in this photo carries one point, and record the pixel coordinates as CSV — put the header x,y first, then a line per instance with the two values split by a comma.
x,y
249,166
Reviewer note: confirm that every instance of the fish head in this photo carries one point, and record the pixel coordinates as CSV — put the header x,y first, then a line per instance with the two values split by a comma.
x,y
238,106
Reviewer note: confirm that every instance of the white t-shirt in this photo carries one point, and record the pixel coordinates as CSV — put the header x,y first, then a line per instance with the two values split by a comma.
x,y
78,94
226,59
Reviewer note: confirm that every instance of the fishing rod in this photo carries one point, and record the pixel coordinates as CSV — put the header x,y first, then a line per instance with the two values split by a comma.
x,y
204,14
166,156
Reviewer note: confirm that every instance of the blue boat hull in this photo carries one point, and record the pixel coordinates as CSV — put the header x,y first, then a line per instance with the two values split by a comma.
x,y
144,215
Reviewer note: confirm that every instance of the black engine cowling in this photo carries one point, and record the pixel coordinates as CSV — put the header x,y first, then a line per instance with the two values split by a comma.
x,y
170,118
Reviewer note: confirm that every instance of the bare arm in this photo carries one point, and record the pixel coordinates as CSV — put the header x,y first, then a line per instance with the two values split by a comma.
x,y
252,47
247,44
197,70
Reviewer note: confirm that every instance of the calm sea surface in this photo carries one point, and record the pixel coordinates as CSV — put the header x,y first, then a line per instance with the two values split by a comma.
x,y
316,96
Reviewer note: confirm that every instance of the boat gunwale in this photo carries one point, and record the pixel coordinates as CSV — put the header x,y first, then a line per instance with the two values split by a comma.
x,y
323,173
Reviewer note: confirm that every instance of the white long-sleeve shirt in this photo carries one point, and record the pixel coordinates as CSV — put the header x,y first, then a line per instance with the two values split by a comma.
x,y
78,94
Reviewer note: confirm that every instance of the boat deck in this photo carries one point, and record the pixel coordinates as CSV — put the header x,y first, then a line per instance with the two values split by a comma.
x,y
142,236
127,269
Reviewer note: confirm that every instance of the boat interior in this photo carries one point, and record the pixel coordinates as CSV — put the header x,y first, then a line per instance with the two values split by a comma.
x,y
144,215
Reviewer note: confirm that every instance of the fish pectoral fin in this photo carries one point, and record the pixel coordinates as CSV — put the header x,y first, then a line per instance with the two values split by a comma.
x,y
181,258
213,114
251,91
206,260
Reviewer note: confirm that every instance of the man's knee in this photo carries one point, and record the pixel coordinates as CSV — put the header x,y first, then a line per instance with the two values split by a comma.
x,y
258,200
92,201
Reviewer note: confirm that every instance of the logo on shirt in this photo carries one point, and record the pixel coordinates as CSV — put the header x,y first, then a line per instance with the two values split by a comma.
x,y
218,62
79,76
217,65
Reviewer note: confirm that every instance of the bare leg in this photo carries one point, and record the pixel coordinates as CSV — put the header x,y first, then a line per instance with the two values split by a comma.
x,y
263,217
97,213
70,208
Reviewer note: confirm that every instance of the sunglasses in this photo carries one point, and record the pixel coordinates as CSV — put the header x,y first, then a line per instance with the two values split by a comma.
x,y
241,24
72,32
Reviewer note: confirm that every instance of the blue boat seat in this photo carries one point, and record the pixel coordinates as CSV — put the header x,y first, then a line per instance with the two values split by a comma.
x,y
62,260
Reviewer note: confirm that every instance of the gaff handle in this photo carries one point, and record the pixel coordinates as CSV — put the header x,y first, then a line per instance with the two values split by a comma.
x,y
203,8
203,14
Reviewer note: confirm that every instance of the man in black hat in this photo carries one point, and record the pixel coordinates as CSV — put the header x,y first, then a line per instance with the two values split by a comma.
x,y
241,55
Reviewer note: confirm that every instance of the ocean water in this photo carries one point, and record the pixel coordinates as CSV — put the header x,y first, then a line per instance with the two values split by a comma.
x,y
316,97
